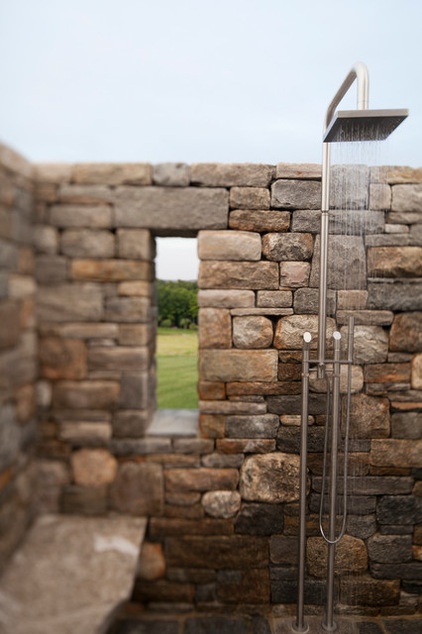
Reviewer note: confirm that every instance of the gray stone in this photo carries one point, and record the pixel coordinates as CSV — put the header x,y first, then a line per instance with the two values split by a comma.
x,y
249,198
356,222
10,436
8,255
82,243
51,583
46,239
167,209
223,504
134,389
407,198
290,330
259,220
118,358
70,302
259,519
238,365
231,174
270,478
347,263
135,243
296,194
229,245
390,549
399,295
370,344
112,173
349,186
369,416
306,301
252,332
138,489
9,319
284,247
128,309
171,174
91,216
130,424
306,221
274,299
85,394
51,269
264,426
406,425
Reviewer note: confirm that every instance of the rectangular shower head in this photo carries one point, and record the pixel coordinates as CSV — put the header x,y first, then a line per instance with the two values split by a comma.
x,y
363,125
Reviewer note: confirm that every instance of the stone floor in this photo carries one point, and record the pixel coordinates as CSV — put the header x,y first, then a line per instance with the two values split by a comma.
x,y
70,575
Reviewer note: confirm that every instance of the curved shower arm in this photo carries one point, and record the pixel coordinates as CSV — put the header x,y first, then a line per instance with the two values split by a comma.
x,y
360,73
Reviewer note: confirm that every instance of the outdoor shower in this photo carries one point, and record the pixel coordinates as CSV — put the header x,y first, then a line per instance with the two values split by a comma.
x,y
342,126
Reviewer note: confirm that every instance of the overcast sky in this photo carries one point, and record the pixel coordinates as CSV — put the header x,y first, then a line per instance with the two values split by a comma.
x,y
199,80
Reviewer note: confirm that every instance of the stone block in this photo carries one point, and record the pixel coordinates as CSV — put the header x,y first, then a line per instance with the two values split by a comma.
x,y
406,426
290,329
389,549
253,586
85,194
85,433
252,332
85,394
21,286
62,358
398,295
347,268
222,461
238,275
274,299
352,300
112,173
171,174
130,423
151,564
8,255
229,245
399,509
407,198
231,174
396,453
211,390
296,194
370,344
235,552
306,301
284,550
233,407
287,246
416,377
136,244
118,358
351,556
212,426
238,365
81,330
249,198
51,269
134,389
388,373
46,239
264,426
236,446
93,467
10,437
226,299
84,500
222,504
90,216
306,221
87,243
52,172
138,489
201,479
128,309
70,302
9,319
379,196
369,416
406,332
135,289
395,261
107,270
259,519
260,220
349,185
270,478
294,274
364,591
171,209
134,334
215,329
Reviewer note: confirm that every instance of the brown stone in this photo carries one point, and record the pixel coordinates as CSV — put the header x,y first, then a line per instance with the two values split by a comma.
x,y
298,170
134,389
85,194
229,245
136,244
259,220
249,198
130,424
294,274
93,467
110,270
51,269
238,365
211,390
202,479
152,564
252,332
351,556
135,289
25,402
226,299
379,196
85,394
236,552
407,198
117,358
85,432
214,328
406,332
416,380
395,261
369,416
396,453
248,586
128,309
365,591
9,319
46,239
388,373
70,302
134,334
351,300
87,243
222,504
238,275
270,478
234,406
62,358
296,194
171,174
287,246
212,425
290,330
80,330
138,489
112,173
91,216
231,174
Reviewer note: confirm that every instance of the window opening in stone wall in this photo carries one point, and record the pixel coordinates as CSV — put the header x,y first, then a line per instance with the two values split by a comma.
x,y
177,324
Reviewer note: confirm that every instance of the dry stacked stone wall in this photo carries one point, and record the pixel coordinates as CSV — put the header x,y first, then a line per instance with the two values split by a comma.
x,y
18,351
223,504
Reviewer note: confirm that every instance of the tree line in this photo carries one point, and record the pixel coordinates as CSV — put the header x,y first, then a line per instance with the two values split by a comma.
x,y
177,303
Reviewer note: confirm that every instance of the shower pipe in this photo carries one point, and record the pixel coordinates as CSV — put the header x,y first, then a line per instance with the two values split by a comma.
x,y
342,126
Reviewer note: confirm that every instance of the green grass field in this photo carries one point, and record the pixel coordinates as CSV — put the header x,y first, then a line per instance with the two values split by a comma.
x,y
177,372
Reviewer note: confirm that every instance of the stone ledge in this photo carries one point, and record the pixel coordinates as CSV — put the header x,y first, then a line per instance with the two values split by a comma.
x,y
70,575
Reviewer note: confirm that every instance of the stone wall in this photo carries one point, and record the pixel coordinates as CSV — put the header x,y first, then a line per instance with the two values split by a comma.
x,y
223,505
18,352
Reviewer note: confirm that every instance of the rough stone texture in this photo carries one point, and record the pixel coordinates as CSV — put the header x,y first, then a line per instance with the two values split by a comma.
x,y
89,216
274,299
306,300
238,275
396,453
416,380
135,244
110,270
259,220
202,479
398,295
370,344
214,328
49,590
170,208
223,504
264,426
347,269
93,467
231,175
406,332
390,548
349,186
351,556
238,365
252,332
171,174
249,198
296,194
151,563
85,394
229,245
395,261
62,358
259,519
369,416
287,246
138,489
82,243
407,198
290,329
270,478
226,299
70,302
226,552
294,274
